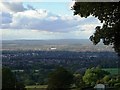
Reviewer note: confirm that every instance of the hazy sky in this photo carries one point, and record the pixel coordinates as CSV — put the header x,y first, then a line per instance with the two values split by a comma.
x,y
43,20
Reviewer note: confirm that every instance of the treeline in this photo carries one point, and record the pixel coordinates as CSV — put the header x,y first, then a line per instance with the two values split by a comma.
x,y
63,79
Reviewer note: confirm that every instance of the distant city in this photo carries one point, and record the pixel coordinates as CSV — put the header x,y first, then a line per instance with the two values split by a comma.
x,y
30,57
58,45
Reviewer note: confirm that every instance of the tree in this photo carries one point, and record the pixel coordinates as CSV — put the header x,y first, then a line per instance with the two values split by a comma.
x,y
93,75
20,86
9,81
90,77
60,79
109,14
78,81
106,78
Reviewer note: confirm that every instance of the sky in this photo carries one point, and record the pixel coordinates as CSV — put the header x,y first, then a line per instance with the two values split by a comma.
x,y
43,20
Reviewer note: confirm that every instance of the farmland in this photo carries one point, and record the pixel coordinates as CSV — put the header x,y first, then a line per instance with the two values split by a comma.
x,y
113,71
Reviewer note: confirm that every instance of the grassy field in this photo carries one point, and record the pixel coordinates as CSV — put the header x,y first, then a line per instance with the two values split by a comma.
x,y
113,71
36,87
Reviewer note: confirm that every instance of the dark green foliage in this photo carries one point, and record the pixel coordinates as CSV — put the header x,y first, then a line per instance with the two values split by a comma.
x,y
114,82
8,79
78,81
60,79
117,85
20,86
109,14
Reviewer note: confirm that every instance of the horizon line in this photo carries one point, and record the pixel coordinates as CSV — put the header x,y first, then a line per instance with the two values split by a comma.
x,y
40,39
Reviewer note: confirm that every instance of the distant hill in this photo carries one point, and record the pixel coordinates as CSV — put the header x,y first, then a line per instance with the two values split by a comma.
x,y
61,44
42,42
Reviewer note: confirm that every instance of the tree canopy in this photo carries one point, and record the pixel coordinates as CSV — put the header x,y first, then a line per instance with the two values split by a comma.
x,y
78,81
60,79
109,14
9,80
93,75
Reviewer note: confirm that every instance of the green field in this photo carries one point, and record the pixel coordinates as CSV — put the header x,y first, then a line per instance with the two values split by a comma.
x,y
36,87
113,71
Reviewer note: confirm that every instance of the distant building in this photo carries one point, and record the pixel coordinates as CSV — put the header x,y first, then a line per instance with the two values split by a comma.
x,y
53,48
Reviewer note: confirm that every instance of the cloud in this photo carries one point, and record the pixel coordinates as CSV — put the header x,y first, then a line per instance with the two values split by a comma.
x,y
19,22
12,6
8,34
26,22
43,20
6,18
71,3
30,7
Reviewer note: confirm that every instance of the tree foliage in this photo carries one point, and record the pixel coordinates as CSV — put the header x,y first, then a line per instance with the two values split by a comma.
x,y
109,14
9,80
60,79
106,78
78,81
93,75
